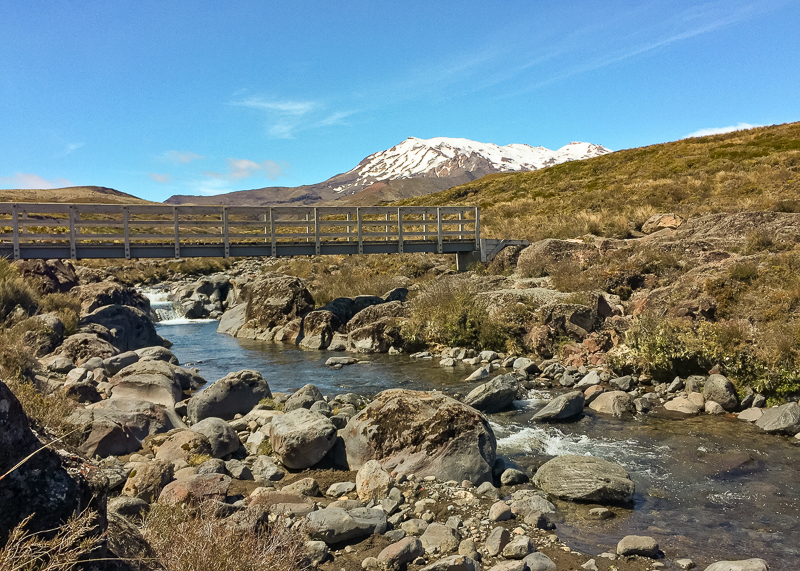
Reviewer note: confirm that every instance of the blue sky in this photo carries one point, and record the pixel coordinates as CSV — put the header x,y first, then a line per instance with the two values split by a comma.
x,y
179,97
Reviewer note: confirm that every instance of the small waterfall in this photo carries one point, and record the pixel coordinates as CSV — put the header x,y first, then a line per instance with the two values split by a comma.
x,y
166,311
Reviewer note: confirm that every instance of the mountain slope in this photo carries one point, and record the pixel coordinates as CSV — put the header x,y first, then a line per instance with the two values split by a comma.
x,y
612,195
436,164
76,194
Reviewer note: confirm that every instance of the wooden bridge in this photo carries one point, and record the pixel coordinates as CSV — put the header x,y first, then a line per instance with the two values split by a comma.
x,y
43,231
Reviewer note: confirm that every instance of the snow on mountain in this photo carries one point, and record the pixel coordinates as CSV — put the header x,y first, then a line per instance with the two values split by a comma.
x,y
449,157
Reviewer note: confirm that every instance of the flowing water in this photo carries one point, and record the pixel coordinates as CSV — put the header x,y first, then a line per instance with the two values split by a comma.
x,y
707,488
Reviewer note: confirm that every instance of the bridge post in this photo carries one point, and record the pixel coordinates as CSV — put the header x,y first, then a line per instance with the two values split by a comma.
x,y
399,231
126,231
316,231
15,229
360,232
73,250
438,230
464,260
272,233
478,229
225,232
177,233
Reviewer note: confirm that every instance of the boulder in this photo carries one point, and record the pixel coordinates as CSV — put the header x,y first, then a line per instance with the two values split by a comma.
x,y
235,393
182,445
82,346
115,364
691,404
45,334
585,478
335,525
152,381
546,252
55,276
372,482
301,438
119,426
273,300
197,489
222,438
440,538
783,419
130,327
157,354
570,319
563,407
377,337
304,397
147,479
720,390
399,554
232,320
318,329
741,565
428,434
373,313
96,295
539,562
496,395
615,403
591,379
660,221
638,545
49,486
453,563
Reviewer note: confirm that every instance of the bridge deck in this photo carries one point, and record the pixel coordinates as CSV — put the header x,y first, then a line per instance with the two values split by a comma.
x,y
41,231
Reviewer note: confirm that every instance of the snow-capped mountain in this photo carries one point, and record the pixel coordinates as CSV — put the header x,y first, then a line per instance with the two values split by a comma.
x,y
444,157
412,168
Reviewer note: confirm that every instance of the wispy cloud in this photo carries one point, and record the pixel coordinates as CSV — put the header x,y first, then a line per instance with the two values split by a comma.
x,y
244,168
721,130
182,157
288,117
32,181
69,149
160,178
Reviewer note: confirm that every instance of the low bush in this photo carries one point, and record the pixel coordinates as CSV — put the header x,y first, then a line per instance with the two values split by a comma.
x,y
49,412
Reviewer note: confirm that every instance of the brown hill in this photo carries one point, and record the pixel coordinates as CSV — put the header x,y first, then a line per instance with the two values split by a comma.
x,y
71,194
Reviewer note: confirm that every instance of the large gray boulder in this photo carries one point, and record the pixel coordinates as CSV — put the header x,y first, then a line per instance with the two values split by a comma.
x,y
130,327
304,397
720,390
221,436
232,320
498,394
99,294
334,525
428,434
563,407
783,419
615,403
235,393
741,565
152,381
82,346
319,327
585,478
120,425
273,301
301,438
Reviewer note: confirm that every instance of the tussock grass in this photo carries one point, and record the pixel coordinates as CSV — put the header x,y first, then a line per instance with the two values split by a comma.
x,y
197,540
132,272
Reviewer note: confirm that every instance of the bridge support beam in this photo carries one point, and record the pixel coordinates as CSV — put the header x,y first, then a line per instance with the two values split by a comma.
x,y
465,260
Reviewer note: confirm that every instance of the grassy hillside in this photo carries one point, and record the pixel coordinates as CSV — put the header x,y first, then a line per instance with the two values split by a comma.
x,y
612,195
72,194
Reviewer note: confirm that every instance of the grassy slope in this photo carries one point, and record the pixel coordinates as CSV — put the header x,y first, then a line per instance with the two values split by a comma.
x,y
72,194
758,169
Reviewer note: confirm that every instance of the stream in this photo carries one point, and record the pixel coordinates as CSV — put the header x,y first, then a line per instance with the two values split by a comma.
x,y
707,488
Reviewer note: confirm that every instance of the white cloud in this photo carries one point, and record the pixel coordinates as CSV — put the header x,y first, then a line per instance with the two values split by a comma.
x,y
288,117
182,157
721,130
69,149
245,168
32,181
160,178
289,107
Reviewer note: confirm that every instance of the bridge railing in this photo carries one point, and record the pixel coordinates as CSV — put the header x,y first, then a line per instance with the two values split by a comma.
x,y
29,230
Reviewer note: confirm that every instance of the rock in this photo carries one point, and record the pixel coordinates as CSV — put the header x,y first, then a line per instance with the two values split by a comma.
x,y
183,445
439,538
691,404
147,479
334,525
197,489
130,327
601,513
401,553
303,398
712,407
638,545
61,365
49,486
685,563
304,487
273,301
525,365
157,354
742,565
585,478
590,380
468,548
316,552
379,336
212,466
562,407
512,477
590,566
532,504
720,390
422,433
128,507
81,346
372,481
238,469
152,381
99,294
570,319
235,393
518,548
119,426
265,470
487,489
496,395
319,327
414,526
539,562
453,563
116,363
592,393
660,221
44,334
340,489
232,320
478,375
615,403
622,383
750,414
783,419
301,438
221,436
497,540
500,512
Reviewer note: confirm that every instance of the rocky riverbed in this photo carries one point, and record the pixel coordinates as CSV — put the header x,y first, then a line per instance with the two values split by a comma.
x,y
397,479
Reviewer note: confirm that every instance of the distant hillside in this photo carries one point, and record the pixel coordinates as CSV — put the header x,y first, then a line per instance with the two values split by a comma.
x,y
75,194
612,195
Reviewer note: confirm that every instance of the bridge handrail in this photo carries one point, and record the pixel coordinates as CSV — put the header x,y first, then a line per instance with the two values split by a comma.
x,y
58,223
